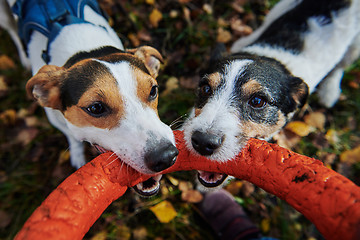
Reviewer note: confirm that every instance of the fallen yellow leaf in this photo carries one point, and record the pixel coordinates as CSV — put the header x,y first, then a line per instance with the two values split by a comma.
x,y
316,119
8,117
265,225
150,2
299,128
64,157
100,236
351,156
164,211
155,17
332,136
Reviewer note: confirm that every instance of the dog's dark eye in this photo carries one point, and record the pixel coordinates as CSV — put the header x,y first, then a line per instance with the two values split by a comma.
x,y
257,102
205,90
97,109
153,93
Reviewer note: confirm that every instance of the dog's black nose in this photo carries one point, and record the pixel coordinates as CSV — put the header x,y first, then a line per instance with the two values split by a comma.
x,y
161,158
206,143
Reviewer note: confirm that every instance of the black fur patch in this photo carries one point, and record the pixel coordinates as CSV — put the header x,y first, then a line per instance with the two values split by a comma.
x,y
97,53
78,80
105,54
288,30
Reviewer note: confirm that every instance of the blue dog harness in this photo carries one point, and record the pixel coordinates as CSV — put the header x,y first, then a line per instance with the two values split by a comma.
x,y
49,17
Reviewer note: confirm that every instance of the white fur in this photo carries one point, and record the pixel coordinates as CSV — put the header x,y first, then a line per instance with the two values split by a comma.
x,y
219,117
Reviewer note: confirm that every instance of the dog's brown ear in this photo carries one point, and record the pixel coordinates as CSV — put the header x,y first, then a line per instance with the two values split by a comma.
x,y
299,91
150,56
44,86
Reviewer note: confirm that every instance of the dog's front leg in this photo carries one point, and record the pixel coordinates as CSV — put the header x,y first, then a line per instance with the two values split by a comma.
x,y
77,156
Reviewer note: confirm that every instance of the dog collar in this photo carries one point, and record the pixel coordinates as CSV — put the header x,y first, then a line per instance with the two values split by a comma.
x,y
49,17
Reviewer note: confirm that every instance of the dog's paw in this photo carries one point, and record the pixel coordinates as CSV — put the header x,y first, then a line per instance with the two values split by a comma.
x,y
329,91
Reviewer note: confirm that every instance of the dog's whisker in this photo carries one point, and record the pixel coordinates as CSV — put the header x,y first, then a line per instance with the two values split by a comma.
x,y
112,161
180,120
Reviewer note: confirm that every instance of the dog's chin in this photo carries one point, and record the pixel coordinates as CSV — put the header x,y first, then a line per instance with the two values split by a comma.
x,y
145,189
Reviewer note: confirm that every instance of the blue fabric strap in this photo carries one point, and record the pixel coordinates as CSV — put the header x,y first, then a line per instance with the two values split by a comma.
x,y
49,17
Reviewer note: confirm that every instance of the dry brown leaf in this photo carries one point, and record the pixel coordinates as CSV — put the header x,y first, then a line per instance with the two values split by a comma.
x,y
3,86
191,196
155,17
164,211
6,63
223,36
247,189
185,186
316,119
207,8
134,39
351,156
238,6
287,139
239,28
222,22
139,233
26,135
234,187
144,35
299,128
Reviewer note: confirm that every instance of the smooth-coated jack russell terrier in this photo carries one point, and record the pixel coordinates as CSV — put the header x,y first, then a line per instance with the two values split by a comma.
x,y
93,90
256,90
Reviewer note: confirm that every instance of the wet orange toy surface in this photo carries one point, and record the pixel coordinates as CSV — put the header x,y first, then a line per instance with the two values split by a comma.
x,y
328,199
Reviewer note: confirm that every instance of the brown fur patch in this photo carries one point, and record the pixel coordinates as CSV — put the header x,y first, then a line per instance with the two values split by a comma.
x,y
251,87
257,130
197,111
144,84
104,89
214,80
44,86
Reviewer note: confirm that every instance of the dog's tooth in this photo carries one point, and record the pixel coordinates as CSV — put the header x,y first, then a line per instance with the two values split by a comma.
x,y
140,186
157,177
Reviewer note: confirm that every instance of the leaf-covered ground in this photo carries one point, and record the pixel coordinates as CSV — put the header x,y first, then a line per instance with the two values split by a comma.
x,y
34,156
